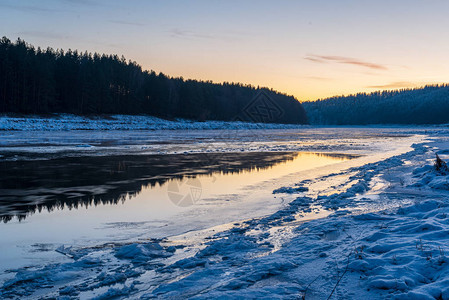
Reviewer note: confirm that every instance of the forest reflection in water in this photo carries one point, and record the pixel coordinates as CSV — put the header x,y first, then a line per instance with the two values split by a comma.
x,y
30,186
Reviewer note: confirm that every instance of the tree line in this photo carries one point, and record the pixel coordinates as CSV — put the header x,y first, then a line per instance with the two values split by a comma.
x,y
42,81
425,105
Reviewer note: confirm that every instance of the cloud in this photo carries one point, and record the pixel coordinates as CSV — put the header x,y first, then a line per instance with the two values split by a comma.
x,y
57,36
83,2
126,23
181,33
316,60
49,9
228,36
344,60
394,85
28,8
43,34
318,78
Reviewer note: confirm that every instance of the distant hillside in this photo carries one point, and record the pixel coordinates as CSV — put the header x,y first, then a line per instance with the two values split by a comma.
x,y
427,105
36,81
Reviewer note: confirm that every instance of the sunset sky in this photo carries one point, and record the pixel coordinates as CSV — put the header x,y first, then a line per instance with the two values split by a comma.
x,y
310,49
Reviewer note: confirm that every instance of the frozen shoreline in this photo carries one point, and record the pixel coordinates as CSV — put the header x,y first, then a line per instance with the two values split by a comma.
x,y
398,251
64,122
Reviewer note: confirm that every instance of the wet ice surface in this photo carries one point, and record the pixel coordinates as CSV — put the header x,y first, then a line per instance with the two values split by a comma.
x,y
25,145
88,201
254,224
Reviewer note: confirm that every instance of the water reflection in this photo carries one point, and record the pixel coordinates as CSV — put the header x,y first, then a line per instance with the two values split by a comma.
x,y
30,186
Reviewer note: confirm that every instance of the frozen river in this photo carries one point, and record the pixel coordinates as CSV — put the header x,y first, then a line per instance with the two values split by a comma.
x,y
94,189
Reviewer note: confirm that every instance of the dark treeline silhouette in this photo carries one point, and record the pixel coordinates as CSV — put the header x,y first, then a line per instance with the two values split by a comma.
x,y
426,105
37,81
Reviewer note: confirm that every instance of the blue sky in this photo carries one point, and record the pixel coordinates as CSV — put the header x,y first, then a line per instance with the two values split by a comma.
x,y
310,49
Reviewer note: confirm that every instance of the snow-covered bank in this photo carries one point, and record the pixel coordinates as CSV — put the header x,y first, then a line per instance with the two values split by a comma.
x,y
122,122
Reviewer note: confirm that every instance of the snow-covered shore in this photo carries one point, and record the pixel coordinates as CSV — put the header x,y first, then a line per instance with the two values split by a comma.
x,y
353,251
121,122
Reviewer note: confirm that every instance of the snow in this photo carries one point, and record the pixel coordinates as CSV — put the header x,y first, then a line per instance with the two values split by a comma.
x,y
290,190
142,252
64,122
382,232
